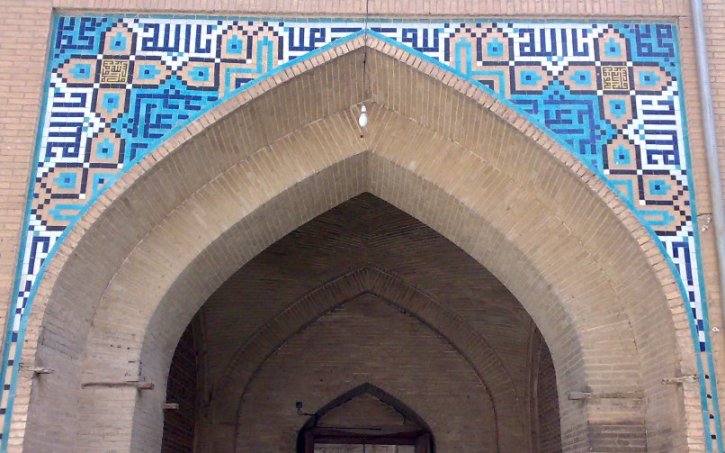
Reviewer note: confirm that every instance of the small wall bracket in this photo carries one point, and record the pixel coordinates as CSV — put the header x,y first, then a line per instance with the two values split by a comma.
x,y
680,379
576,396
139,385
37,370
298,407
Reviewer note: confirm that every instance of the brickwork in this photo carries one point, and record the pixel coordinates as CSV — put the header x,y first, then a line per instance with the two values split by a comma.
x,y
451,294
365,408
24,31
377,172
401,356
16,188
181,389
548,404
348,240
715,42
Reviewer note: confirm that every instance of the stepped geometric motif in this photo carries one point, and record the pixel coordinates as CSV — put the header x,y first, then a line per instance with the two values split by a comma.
x,y
117,87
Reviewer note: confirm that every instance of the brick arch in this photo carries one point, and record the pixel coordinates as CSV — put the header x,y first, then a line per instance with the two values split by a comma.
x,y
365,389
247,173
508,409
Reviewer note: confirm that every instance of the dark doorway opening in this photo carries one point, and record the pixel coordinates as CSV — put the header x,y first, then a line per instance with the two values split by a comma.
x,y
389,426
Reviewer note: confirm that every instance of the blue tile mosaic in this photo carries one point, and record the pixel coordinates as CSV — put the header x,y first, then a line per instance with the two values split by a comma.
x,y
117,87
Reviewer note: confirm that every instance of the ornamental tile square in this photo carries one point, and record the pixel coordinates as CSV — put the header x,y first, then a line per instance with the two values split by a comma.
x,y
615,78
114,71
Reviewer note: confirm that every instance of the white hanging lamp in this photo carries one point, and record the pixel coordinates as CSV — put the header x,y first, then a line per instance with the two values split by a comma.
x,y
363,120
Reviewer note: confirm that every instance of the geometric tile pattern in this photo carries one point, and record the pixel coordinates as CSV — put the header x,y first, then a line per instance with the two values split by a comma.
x,y
608,92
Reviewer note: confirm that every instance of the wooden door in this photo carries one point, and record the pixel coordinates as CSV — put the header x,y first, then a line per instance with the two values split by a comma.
x,y
323,441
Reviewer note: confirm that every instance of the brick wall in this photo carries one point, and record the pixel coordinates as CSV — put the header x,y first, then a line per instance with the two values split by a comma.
x,y
363,232
548,404
24,32
181,389
367,340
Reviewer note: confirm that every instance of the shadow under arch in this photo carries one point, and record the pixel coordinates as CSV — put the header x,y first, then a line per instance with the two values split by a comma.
x,y
484,183
303,438
507,405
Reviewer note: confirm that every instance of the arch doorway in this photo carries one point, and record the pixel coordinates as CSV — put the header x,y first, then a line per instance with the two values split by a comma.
x,y
388,426
364,296
499,192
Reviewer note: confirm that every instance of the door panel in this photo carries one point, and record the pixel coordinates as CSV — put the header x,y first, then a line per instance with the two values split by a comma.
x,y
339,448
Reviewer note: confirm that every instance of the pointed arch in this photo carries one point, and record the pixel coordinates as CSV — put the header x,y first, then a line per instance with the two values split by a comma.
x,y
365,389
247,173
472,346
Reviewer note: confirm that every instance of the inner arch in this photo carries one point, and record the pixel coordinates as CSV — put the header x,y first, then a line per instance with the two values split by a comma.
x,y
414,432
439,288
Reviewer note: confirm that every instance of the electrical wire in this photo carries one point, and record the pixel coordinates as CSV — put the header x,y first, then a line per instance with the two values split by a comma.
x,y
365,50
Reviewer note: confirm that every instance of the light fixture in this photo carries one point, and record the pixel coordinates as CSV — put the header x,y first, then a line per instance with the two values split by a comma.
x,y
363,120
298,407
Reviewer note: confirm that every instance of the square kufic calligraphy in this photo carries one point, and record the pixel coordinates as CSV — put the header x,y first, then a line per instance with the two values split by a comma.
x,y
114,71
615,78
